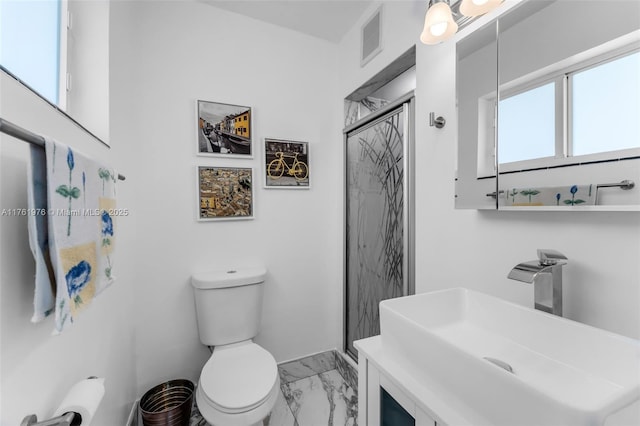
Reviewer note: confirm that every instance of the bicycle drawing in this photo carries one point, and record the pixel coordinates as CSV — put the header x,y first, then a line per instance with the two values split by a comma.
x,y
298,169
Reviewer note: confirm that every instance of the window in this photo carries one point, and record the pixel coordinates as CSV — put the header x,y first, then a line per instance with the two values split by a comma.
x,y
30,44
586,112
606,106
527,125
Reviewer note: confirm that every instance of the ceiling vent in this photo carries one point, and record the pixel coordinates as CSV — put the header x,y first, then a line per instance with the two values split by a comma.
x,y
371,38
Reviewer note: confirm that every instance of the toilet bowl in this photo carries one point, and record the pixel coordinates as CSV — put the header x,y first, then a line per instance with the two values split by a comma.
x,y
239,384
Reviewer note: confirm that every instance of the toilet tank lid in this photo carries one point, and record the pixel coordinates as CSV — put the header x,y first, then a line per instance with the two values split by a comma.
x,y
223,278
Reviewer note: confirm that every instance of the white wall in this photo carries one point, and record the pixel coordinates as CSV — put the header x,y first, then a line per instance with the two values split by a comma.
x,y
173,54
476,249
37,369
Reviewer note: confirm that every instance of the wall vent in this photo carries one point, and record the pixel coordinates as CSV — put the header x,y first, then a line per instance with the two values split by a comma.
x,y
371,38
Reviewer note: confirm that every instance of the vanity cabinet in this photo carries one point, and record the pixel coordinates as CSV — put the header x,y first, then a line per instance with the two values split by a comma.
x,y
383,402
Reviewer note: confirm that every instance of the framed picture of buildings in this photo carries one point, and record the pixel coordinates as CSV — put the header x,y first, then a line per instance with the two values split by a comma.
x,y
224,130
225,193
286,164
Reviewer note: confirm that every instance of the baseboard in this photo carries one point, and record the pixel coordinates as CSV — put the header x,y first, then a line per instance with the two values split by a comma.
x,y
306,366
348,368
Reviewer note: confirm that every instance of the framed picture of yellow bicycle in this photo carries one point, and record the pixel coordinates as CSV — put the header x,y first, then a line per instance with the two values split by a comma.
x,y
286,164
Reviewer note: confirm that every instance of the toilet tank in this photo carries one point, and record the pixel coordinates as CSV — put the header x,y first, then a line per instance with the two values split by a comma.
x,y
228,304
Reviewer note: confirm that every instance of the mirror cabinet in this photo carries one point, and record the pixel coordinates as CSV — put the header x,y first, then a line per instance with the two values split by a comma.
x,y
548,99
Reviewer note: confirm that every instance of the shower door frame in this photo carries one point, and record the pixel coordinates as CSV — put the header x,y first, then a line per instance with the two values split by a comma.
x,y
405,104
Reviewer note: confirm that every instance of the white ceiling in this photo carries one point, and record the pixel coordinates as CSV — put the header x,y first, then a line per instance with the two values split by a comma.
x,y
327,19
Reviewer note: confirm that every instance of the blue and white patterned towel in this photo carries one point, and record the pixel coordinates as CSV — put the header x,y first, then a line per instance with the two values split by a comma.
x,y
80,207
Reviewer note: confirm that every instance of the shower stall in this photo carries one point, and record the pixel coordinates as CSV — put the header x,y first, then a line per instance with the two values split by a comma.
x,y
378,216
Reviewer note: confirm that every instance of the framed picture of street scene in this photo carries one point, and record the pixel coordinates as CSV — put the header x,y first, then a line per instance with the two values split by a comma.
x,y
225,193
286,164
224,130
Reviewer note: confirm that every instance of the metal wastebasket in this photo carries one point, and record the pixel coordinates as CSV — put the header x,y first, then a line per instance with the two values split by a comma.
x,y
168,404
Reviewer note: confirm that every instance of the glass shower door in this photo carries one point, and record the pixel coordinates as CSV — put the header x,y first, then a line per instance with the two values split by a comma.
x,y
377,221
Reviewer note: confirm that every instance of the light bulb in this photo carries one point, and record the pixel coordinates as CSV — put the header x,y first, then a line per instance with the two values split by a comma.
x,y
438,29
438,24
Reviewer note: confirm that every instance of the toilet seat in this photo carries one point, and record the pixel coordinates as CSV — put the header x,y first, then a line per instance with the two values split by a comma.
x,y
239,377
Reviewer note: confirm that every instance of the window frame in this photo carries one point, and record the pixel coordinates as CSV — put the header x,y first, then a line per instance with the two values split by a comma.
x,y
63,58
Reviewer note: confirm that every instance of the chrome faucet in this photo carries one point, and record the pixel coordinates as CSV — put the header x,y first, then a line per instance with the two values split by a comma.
x,y
546,276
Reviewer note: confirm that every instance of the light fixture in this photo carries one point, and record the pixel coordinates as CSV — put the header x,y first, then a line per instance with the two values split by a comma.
x,y
478,7
438,23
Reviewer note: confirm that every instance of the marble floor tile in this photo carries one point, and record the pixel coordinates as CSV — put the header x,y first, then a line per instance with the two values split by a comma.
x,y
196,417
323,399
342,399
308,401
281,414
307,366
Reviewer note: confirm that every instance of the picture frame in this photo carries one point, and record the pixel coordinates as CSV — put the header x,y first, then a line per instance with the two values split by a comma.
x,y
224,193
286,164
224,130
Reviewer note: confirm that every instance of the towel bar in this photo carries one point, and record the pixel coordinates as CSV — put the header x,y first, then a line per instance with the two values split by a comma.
x,y
25,135
625,184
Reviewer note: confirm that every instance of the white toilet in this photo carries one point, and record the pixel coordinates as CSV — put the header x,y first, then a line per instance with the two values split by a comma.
x,y
239,384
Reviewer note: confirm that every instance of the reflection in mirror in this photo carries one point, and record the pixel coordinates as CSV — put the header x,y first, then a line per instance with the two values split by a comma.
x,y
568,105
59,49
476,83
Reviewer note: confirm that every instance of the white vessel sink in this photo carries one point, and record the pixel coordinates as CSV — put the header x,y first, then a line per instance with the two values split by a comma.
x,y
564,372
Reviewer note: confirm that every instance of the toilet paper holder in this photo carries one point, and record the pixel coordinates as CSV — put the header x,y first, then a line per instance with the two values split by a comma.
x,y
70,418
67,419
